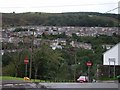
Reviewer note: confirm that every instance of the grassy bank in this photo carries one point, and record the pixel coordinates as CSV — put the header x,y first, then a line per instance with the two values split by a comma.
x,y
107,78
17,78
10,78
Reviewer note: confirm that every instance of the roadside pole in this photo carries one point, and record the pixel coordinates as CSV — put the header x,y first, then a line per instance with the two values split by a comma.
x,y
75,68
114,70
109,69
89,64
31,55
97,75
26,62
26,70
88,73
113,60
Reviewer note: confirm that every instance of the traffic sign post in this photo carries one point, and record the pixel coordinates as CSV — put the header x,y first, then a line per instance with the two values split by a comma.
x,y
88,73
26,61
89,64
26,70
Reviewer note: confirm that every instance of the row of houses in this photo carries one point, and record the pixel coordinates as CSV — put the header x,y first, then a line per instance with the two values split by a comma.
x,y
9,36
54,30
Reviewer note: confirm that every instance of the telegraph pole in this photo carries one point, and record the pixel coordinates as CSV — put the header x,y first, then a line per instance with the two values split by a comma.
x,y
75,67
31,55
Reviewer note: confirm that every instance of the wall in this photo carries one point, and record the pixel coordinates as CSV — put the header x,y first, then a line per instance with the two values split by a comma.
x,y
112,53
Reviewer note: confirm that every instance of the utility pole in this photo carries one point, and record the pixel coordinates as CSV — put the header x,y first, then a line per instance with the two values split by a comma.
x,y
75,67
75,62
31,55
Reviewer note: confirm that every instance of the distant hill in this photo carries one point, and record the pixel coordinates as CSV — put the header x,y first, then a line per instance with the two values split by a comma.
x,y
87,19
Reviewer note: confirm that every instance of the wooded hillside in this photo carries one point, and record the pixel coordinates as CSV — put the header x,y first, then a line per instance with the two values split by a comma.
x,y
87,19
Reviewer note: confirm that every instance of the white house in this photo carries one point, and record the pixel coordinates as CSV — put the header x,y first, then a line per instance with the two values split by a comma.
x,y
112,56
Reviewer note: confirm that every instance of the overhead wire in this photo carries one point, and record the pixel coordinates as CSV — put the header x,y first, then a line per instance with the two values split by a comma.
x,y
112,10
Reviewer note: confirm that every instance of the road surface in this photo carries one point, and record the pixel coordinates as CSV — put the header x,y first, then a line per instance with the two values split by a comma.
x,y
21,85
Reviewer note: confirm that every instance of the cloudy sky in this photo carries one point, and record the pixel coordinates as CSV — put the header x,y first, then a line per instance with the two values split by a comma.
x,y
58,6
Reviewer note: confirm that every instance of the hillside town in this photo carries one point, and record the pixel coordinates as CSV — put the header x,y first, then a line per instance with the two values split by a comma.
x,y
68,30
10,35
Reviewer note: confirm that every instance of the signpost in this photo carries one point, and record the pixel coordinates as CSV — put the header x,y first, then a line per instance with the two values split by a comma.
x,y
89,64
113,61
26,61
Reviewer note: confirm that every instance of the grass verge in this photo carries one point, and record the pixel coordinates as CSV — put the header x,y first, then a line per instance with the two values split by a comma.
x,y
10,78
17,78
107,78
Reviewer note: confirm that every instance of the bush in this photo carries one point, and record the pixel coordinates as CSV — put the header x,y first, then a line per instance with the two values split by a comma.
x,y
9,70
107,78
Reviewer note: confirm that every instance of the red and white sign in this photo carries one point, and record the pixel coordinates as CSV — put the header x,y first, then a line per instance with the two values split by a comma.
x,y
26,61
89,63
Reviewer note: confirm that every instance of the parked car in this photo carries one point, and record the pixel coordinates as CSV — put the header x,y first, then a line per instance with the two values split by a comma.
x,y
82,79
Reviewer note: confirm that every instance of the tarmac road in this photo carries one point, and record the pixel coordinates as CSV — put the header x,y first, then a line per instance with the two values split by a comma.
x,y
12,81
80,85
21,85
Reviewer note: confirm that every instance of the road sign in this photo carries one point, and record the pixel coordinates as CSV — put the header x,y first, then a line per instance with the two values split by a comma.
x,y
89,63
26,61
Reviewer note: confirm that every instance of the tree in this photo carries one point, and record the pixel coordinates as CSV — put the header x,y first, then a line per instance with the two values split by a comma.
x,y
47,59
6,59
18,60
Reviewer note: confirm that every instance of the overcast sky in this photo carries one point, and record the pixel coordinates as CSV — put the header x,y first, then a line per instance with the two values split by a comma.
x,y
58,6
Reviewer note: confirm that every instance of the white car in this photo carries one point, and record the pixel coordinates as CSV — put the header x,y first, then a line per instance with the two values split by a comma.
x,y
83,79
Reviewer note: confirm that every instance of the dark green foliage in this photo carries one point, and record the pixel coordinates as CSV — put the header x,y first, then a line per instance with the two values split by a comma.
x,y
57,64
61,19
20,29
6,59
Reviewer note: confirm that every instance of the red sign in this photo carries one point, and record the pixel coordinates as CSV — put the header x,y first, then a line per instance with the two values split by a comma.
x,y
89,63
26,61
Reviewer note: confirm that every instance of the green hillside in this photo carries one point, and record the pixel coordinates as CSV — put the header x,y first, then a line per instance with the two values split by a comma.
x,y
87,19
